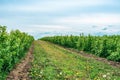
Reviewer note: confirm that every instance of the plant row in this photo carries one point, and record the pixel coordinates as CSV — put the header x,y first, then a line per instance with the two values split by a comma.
x,y
107,46
13,47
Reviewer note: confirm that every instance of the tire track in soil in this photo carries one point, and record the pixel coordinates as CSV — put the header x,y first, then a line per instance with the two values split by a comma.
x,y
104,60
21,71
87,55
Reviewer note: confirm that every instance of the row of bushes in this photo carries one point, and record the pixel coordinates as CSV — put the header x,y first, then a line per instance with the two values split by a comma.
x,y
103,46
13,47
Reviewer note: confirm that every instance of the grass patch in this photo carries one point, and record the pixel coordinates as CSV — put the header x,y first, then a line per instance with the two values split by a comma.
x,y
52,62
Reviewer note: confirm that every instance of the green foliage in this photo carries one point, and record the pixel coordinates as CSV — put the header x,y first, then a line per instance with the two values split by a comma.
x,y
103,46
12,48
53,62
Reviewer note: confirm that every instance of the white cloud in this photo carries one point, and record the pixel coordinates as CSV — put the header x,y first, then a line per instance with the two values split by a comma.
x,y
53,5
45,28
94,19
29,17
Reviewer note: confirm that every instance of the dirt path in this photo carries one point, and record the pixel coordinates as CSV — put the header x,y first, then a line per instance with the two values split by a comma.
x,y
87,55
54,62
21,70
112,63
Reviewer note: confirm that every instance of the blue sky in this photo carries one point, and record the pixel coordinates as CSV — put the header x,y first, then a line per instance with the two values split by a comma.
x,y
49,17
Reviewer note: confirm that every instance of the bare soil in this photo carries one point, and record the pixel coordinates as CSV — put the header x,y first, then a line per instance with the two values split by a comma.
x,y
104,60
21,70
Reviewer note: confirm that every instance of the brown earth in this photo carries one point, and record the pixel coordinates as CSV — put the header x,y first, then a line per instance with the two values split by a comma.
x,y
104,60
21,70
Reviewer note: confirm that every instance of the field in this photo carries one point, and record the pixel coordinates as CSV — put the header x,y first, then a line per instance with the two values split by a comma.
x,y
58,57
59,39
53,62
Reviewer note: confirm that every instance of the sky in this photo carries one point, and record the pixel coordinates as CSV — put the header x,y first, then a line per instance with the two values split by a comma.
x,y
60,17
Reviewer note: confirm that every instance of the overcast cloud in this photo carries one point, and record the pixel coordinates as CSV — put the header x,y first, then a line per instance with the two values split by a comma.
x,y
56,17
